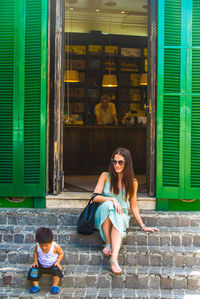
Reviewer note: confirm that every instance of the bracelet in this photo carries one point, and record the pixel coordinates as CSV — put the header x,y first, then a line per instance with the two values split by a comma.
x,y
142,225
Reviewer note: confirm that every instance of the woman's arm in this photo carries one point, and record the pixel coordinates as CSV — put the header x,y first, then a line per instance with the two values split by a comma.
x,y
135,210
100,198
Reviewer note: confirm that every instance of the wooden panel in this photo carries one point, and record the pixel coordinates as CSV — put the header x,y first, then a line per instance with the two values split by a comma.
x,y
87,149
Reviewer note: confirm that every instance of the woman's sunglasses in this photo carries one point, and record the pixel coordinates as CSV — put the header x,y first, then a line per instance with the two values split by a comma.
x,y
120,162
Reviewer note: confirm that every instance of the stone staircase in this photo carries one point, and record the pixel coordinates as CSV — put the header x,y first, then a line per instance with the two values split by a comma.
x,y
163,264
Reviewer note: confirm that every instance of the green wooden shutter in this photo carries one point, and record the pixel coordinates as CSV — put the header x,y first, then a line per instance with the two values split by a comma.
x,y
24,124
178,108
168,100
193,104
7,11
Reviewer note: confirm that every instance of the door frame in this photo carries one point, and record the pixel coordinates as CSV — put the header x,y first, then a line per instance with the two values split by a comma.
x,y
56,91
152,97
55,174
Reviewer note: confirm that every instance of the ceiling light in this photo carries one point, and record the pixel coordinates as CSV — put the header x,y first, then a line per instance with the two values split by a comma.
x,y
123,11
71,76
110,3
143,79
97,10
109,80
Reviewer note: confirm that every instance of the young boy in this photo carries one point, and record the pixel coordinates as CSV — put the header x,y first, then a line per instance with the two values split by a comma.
x,y
47,257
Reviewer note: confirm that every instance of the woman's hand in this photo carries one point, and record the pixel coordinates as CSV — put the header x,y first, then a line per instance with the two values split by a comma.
x,y
149,229
117,206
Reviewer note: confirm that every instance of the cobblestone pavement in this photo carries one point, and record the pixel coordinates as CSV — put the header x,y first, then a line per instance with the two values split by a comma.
x,y
107,293
163,264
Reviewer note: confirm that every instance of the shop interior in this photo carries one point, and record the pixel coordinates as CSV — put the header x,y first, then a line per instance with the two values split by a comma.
x,y
105,54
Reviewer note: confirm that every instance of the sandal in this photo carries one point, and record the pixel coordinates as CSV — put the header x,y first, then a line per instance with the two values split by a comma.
x,y
114,265
107,250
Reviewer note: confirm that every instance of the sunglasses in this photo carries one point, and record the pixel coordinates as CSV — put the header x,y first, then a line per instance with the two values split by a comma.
x,y
120,162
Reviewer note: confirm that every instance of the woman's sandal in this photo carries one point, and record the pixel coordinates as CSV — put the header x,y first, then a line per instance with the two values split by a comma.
x,y
114,265
107,250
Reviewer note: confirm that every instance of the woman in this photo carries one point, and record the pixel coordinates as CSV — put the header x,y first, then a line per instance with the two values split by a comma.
x,y
119,192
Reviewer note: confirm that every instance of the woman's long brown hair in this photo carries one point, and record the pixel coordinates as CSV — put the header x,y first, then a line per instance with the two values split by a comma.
x,y
127,176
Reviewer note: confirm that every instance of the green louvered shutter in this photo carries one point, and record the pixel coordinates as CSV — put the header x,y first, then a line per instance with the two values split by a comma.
x,y
169,99
23,97
192,184
7,113
178,108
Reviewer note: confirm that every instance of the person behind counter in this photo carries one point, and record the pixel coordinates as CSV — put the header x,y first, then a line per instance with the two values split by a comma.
x,y
105,112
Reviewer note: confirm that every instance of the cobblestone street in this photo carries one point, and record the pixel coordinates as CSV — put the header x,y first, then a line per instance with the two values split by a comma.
x,y
163,264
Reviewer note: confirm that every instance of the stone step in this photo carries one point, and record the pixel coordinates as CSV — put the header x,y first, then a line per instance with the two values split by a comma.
x,y
167,236
177,256
65,217
80,199
84,276
77,293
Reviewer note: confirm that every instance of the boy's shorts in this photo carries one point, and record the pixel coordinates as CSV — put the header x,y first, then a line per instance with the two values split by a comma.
x,y
54,270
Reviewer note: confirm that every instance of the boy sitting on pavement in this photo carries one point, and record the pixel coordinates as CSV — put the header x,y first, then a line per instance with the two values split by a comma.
x,y
47,257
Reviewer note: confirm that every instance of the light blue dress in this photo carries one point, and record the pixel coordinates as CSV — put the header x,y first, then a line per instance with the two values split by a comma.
x,y
107,209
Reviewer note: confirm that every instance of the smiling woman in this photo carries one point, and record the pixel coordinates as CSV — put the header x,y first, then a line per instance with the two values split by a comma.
x,y
118,189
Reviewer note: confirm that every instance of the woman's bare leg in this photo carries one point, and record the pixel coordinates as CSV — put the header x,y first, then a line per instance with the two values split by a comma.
x,y
116,241
107,226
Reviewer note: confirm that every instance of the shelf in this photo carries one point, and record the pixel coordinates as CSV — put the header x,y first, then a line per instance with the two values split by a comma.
x,y
93,65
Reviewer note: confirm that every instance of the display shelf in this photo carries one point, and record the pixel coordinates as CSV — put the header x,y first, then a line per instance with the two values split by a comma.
x,y
92,61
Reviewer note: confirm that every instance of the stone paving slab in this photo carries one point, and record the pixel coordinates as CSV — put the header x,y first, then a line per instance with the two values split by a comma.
x,y
84,276
177,256
93,293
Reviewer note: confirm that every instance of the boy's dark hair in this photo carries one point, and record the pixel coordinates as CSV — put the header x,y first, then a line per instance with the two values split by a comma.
x,y
44,235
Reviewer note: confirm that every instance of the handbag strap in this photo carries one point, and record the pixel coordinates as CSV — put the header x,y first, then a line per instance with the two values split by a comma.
x,y
94,195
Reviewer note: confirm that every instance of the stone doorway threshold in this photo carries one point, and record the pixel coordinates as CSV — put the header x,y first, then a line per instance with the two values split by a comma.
x,y
87,183
78,190
78,200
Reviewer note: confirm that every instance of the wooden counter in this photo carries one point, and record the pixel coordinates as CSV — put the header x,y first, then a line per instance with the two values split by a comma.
x,y
87,149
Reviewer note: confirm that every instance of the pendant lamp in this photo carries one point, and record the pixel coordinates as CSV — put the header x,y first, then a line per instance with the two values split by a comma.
x,y
109,80
143,79
70,76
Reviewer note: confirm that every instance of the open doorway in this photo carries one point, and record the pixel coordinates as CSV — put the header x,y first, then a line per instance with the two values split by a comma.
x,y
104,38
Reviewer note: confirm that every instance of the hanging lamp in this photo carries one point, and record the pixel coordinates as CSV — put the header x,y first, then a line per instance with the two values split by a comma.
x,y
70,75
143,79
109,80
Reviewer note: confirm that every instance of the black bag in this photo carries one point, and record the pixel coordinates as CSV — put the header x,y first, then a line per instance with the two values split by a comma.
x,y
85,223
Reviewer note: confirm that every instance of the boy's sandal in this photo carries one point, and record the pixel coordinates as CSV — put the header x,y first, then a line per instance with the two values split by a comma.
x,y
114,266
34,289
107,250
54,290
